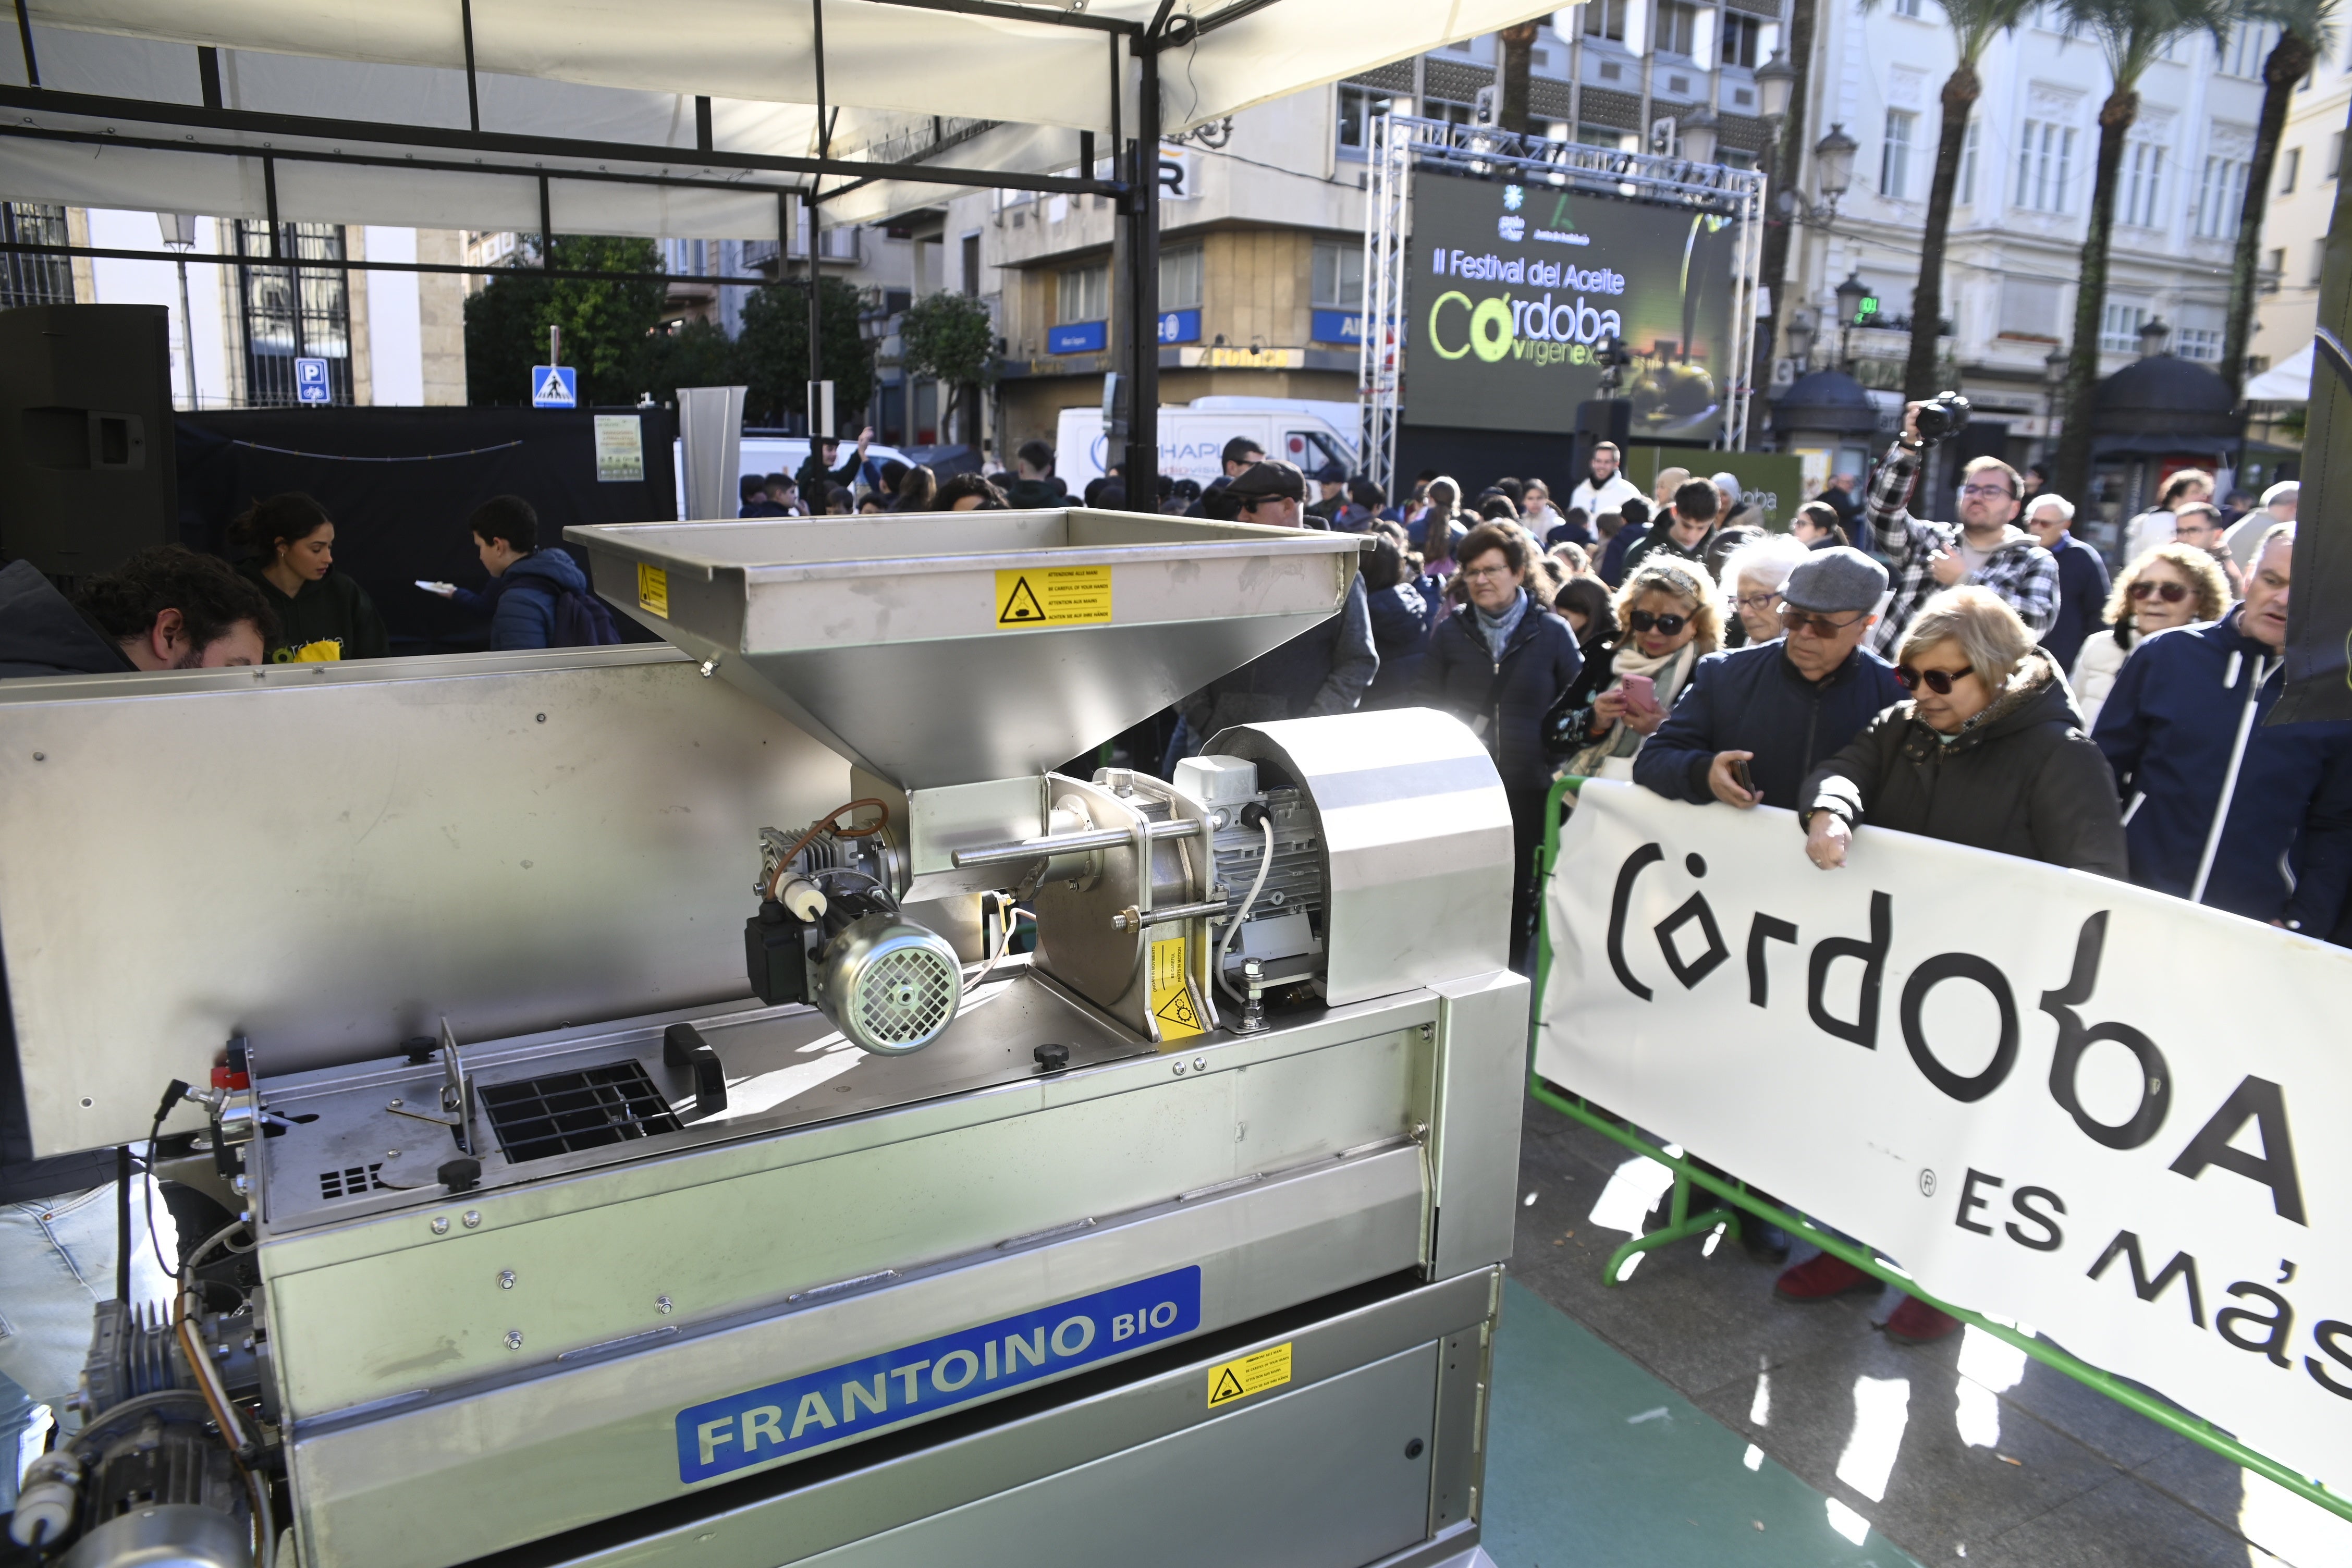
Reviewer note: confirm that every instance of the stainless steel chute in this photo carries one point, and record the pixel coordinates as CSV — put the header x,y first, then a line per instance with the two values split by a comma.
x,y
952,647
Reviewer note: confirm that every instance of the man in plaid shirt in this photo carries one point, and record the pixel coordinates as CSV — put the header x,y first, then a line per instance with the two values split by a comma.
x,y
1985,547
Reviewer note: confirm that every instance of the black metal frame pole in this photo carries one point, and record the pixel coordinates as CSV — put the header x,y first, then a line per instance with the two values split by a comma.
x,y
546,228
25,37
473,96
1140,472
815,285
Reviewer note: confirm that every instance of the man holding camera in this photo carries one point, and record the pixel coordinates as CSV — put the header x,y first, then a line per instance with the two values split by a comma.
x,y
1985,547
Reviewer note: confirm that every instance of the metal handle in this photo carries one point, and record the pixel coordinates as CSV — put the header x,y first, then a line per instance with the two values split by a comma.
x,y
1027,849
1130,920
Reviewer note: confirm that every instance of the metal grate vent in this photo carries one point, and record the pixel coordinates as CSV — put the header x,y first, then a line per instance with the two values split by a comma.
x,y
567,1112
352,1181
905,997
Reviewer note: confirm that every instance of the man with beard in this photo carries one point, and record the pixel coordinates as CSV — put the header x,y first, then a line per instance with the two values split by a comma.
x,y
165,608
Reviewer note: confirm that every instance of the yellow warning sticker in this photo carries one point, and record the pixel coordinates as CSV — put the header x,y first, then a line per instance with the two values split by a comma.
x,y
653,590
1052,596
1171,999
1253,1373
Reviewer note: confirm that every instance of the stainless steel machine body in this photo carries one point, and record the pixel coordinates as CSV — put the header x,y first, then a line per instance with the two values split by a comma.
x,y
1180,1243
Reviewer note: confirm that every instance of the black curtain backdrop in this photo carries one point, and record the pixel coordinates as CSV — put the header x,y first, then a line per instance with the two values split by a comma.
x,y
401,520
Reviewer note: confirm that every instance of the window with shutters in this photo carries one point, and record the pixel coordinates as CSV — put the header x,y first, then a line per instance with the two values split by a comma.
x,y
293,312
2219,194
2143,192
26,279
2046,166
1895,154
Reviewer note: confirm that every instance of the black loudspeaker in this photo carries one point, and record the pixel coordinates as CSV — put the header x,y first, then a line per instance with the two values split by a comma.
x,y
1603,419
87,474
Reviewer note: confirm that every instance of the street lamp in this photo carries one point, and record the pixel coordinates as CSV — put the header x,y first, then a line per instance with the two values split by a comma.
x,y
1833,165
180,235
1802,328
1776,81
1699,133
2155,337
1850,296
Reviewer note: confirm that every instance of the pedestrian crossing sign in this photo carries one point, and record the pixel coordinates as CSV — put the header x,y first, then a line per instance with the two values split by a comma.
x,y
554,387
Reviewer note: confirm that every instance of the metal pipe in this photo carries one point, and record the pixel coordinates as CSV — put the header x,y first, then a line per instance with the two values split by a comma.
x,y
1054,844
546,228
25,37
1134,920
473,98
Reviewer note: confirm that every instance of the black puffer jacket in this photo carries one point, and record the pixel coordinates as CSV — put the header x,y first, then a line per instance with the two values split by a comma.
x,y
2022,780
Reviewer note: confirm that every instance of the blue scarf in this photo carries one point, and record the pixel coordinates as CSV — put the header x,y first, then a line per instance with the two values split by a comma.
x,y
1499,628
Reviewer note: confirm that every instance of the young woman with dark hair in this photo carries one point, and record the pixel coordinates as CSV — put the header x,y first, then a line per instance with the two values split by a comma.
x,y
322,615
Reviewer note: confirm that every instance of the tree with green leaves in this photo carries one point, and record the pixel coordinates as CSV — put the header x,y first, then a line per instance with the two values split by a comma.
x,y
606,323
1975,24
948,337
2306,31
2132,35
773,346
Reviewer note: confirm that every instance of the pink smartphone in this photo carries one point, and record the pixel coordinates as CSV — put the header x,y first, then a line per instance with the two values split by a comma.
x,y
1640,694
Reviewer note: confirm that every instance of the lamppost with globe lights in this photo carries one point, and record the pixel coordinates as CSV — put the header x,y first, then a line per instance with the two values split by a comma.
x,y
179,236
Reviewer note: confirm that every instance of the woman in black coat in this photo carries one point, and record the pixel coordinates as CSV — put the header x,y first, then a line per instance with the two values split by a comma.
x,y
1499,664
1988,751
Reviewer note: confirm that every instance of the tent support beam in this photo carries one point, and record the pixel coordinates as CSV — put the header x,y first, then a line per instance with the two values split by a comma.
x,y
372,160
257,123
269,195
1115,26
1140,471
815,289
546,228
473,94
323,264
25,38
1234,13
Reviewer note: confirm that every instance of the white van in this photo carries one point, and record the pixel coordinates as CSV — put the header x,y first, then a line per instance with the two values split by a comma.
x,y
785,455
1306,431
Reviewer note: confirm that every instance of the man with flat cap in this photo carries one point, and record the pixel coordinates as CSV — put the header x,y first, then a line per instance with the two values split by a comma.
x,y
1776,710
1324,669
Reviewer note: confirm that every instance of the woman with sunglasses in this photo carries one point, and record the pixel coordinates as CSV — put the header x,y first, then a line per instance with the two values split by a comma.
x,y
1987,751
1669,620
2168,586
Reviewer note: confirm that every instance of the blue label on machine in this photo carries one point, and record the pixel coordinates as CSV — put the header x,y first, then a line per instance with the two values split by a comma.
x,y
881,1391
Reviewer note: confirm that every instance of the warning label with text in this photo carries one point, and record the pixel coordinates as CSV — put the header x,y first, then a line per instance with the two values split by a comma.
x,y
653,590
1253,1373
1171,999
1052,596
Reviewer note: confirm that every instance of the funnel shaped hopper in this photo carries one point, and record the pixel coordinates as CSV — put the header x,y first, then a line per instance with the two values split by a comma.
x,y
951,647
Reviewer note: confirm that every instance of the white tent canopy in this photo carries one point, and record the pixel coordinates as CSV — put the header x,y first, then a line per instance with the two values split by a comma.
x,y
2289,381
360,111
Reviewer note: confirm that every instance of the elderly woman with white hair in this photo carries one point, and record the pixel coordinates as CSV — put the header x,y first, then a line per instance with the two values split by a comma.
x,y
2081,579
1752,576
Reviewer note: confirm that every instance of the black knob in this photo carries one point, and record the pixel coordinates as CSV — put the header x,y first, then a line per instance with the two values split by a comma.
x,y
1412,1449
461,1176
1052,1057
420,1047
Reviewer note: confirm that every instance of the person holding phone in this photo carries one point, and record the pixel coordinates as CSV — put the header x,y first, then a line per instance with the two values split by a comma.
x,y
1757,719
1670,619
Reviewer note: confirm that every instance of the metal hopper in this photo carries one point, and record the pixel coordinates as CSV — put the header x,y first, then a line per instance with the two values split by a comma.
x,y
951,647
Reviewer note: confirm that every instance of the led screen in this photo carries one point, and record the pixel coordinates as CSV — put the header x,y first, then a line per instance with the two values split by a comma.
x,y
1511,290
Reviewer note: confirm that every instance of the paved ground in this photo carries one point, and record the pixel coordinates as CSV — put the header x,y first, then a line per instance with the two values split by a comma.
x,y
1964,1450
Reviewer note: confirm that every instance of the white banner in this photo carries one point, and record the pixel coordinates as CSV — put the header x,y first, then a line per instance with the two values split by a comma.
x,y
2050,1097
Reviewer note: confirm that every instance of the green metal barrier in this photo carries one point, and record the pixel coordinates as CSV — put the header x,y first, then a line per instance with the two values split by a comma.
x,y
1682,1223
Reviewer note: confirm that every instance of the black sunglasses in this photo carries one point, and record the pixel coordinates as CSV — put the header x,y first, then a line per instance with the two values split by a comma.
x,y
2170,592
1938,681
1642,621
1796,620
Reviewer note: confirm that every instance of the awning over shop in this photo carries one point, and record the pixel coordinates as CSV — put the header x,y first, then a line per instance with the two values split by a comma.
x,y
2289,381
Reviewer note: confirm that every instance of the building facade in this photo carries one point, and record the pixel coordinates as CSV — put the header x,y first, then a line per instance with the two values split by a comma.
x,y
2294,229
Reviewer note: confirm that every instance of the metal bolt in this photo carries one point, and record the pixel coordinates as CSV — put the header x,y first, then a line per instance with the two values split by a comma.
x,y
395,1105
472,1219
664,1305
392,1153
542,717
514,1338
1180,1069
708,666
440,1225
40,756
506,1279
1199,1063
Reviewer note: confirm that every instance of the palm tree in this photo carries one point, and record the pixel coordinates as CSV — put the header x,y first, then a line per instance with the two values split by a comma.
x,y
2305,32
1974,24
2133,35
1784,165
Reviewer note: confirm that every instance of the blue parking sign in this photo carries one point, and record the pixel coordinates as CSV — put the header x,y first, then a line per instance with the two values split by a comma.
x,y
310,383
554,387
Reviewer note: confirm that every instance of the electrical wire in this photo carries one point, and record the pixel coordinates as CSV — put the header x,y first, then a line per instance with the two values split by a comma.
x,y
1265,865
824,824
1011,915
